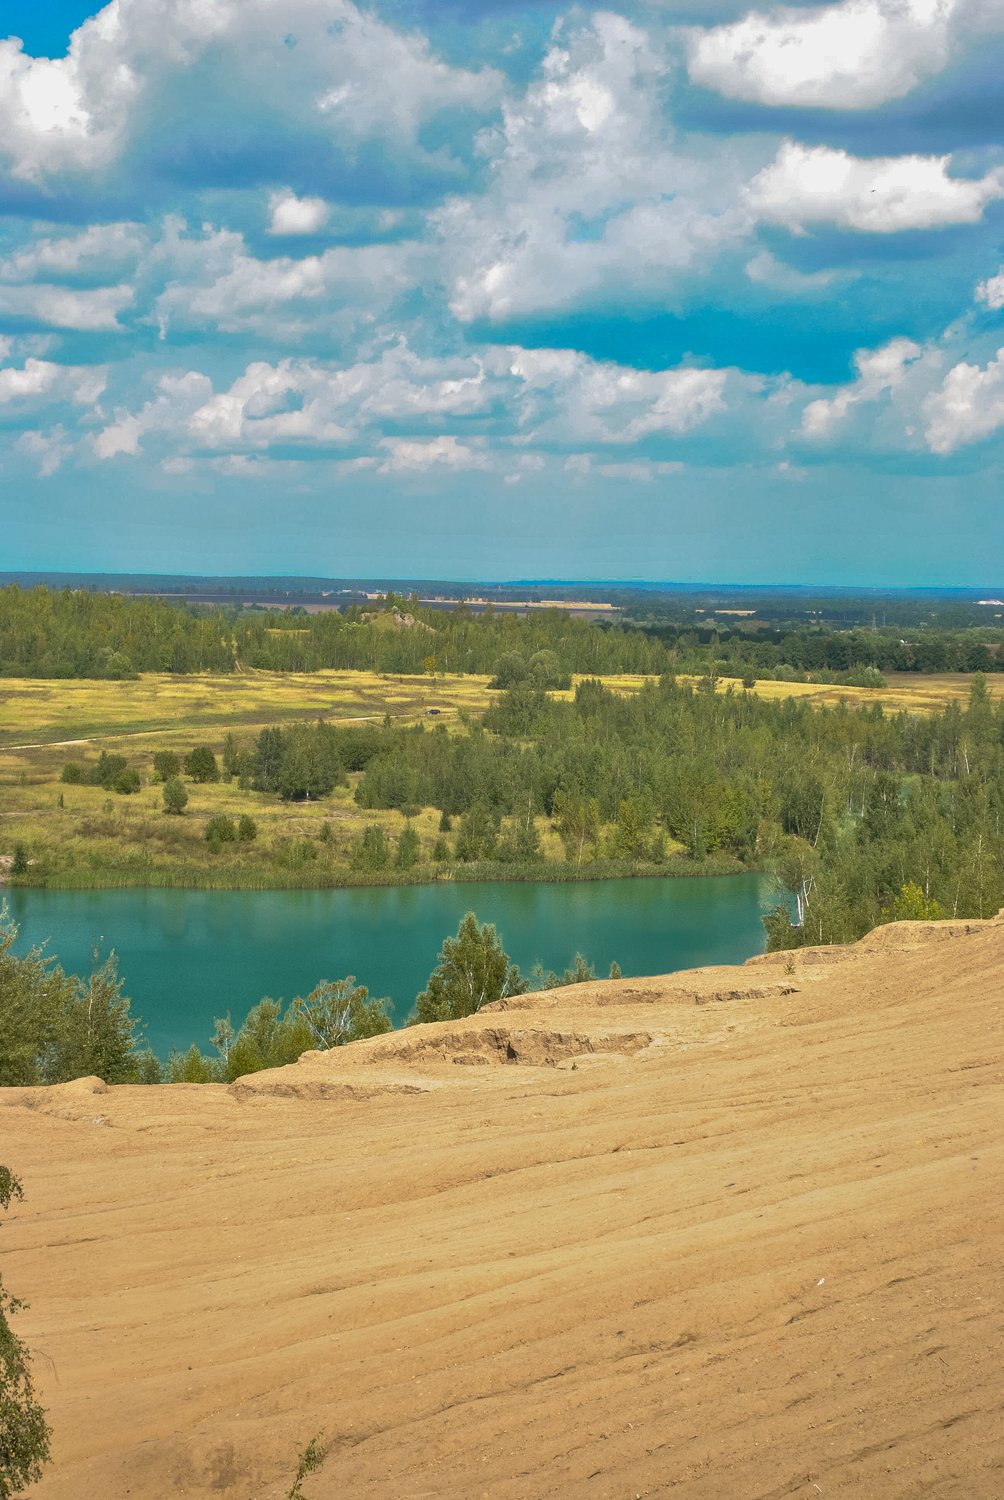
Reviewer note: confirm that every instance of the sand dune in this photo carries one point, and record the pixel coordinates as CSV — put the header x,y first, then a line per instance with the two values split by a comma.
x,y
733,1234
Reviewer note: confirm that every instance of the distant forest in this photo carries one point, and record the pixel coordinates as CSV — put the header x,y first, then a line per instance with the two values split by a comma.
x,y
66,633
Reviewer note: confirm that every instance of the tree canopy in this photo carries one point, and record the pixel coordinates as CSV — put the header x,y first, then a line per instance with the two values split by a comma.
x,y
474,970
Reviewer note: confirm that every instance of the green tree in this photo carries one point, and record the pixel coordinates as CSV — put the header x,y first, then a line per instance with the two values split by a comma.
x,y
193,1067
478,833
54,1026
544,670
409,848
33,991
107,768
175,795
93,1032
200,764
19,860
578,820
267,761
509,669
24,1432
913,905
247,829
371,851
166,764
579,973
473,970
126,782
266,1040
339,1011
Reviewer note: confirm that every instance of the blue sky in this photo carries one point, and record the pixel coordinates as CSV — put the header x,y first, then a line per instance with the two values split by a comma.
x,y
680,290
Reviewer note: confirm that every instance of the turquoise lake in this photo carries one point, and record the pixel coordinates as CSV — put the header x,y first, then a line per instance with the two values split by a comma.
x,y
187,956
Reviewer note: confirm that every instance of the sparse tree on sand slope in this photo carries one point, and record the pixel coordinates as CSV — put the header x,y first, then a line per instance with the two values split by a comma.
x,y
24,1432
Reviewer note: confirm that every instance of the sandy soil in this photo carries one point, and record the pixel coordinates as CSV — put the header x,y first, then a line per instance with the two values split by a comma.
x,y
726,1235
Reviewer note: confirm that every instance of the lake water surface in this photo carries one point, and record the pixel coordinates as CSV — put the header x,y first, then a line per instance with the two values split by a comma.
x,y
187,956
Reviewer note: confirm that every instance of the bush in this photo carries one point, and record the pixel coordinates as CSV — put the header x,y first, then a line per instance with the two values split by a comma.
x,y
107,768
221,830
19,862
247,829
126,782
866,677
175,795
73,773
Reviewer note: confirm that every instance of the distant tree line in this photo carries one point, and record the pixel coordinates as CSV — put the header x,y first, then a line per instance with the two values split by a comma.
x,y
46,633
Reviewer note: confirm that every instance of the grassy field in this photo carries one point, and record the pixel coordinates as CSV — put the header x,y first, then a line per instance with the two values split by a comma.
x,y
81,836
86,836
174,708
168,709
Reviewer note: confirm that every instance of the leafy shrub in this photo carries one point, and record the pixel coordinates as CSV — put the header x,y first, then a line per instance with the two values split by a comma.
x,y
107,768
175,795
247,829
221,830
126,782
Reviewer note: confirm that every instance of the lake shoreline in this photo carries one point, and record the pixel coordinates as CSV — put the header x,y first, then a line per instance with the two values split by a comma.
x,y
186,957
198,878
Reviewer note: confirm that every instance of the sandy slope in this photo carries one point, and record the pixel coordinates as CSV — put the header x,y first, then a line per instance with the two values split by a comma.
x,y
728,1234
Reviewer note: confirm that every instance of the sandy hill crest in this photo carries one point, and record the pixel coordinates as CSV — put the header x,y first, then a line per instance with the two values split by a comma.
x,y
731,1234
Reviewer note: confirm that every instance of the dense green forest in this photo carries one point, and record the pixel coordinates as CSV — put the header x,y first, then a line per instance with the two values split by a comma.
x,y
44,633
856,811
862,815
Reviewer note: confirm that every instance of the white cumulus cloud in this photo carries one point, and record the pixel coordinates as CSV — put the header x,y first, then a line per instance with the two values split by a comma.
x,y
214,280
587,195
879,372
991,292
968,406
91,311
854,55
102,249
405,454
323,70
290,215
807,185
43,382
